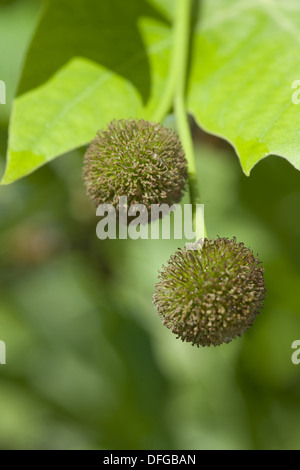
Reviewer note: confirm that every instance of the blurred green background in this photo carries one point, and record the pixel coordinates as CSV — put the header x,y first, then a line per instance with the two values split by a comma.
x,y
89,364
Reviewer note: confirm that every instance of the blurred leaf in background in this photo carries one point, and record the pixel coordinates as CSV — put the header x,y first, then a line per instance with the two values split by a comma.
x,y
17,22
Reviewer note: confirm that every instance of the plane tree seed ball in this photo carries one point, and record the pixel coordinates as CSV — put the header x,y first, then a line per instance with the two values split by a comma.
x,y
141,160
210,295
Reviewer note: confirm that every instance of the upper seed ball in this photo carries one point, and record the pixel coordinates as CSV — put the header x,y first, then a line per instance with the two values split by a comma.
x,y
138,159
210,295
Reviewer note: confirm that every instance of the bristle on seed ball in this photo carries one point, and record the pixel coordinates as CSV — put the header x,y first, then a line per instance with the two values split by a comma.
x,y
210,295
138,159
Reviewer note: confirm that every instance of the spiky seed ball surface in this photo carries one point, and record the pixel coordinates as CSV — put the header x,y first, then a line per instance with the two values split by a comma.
x,y
210,296
138,159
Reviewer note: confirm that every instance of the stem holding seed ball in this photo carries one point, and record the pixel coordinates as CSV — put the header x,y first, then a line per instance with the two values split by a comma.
x,y
176,90
182,34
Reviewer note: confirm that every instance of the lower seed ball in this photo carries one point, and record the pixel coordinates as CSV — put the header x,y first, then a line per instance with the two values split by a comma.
x,y
210,295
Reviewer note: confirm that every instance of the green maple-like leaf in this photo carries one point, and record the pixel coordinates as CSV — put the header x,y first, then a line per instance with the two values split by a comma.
x,y
89,62
245,61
